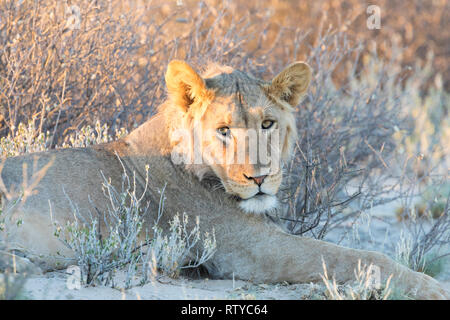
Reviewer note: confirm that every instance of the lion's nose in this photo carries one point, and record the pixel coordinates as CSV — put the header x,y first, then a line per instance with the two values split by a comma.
x,y
258,180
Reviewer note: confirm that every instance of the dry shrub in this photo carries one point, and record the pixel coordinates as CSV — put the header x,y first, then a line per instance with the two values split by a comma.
x,y
107,63
64,70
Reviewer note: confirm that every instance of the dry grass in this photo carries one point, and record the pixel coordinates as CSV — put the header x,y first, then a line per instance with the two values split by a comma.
x,y
100,255
364,287
377,109
110,66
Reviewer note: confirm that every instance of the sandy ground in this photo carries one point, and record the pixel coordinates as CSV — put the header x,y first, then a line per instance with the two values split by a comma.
x,y
379,232
53,286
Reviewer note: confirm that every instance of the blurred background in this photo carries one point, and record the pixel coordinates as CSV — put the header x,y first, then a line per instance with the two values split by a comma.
x,y
109,57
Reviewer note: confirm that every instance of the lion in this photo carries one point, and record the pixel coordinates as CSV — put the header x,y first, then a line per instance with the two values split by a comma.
x,y
213,112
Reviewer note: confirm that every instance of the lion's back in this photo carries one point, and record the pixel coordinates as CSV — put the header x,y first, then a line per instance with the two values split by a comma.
x,y
56,176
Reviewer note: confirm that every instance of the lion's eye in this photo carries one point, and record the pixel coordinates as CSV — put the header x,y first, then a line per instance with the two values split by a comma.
x,y
224,131
267,124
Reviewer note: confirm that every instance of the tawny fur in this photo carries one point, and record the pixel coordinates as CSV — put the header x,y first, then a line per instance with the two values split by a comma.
x,y
248,245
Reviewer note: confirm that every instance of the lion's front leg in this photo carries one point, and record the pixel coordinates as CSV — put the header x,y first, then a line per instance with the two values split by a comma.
x,y
266,254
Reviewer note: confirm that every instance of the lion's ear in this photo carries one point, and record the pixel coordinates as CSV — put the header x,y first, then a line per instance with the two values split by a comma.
x,y
291,84
185,86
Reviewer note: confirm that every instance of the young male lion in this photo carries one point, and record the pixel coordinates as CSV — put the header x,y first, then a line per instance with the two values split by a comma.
x,y
191,145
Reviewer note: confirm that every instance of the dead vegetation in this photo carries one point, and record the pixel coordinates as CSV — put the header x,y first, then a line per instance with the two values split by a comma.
x,y
372,129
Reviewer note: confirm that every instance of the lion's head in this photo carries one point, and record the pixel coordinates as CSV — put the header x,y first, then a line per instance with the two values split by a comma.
x,y
235,128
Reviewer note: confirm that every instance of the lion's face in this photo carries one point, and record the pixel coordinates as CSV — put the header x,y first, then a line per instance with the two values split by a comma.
x,y
236,128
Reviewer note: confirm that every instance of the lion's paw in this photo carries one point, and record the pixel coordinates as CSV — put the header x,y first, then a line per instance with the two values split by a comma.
x,y
427,288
